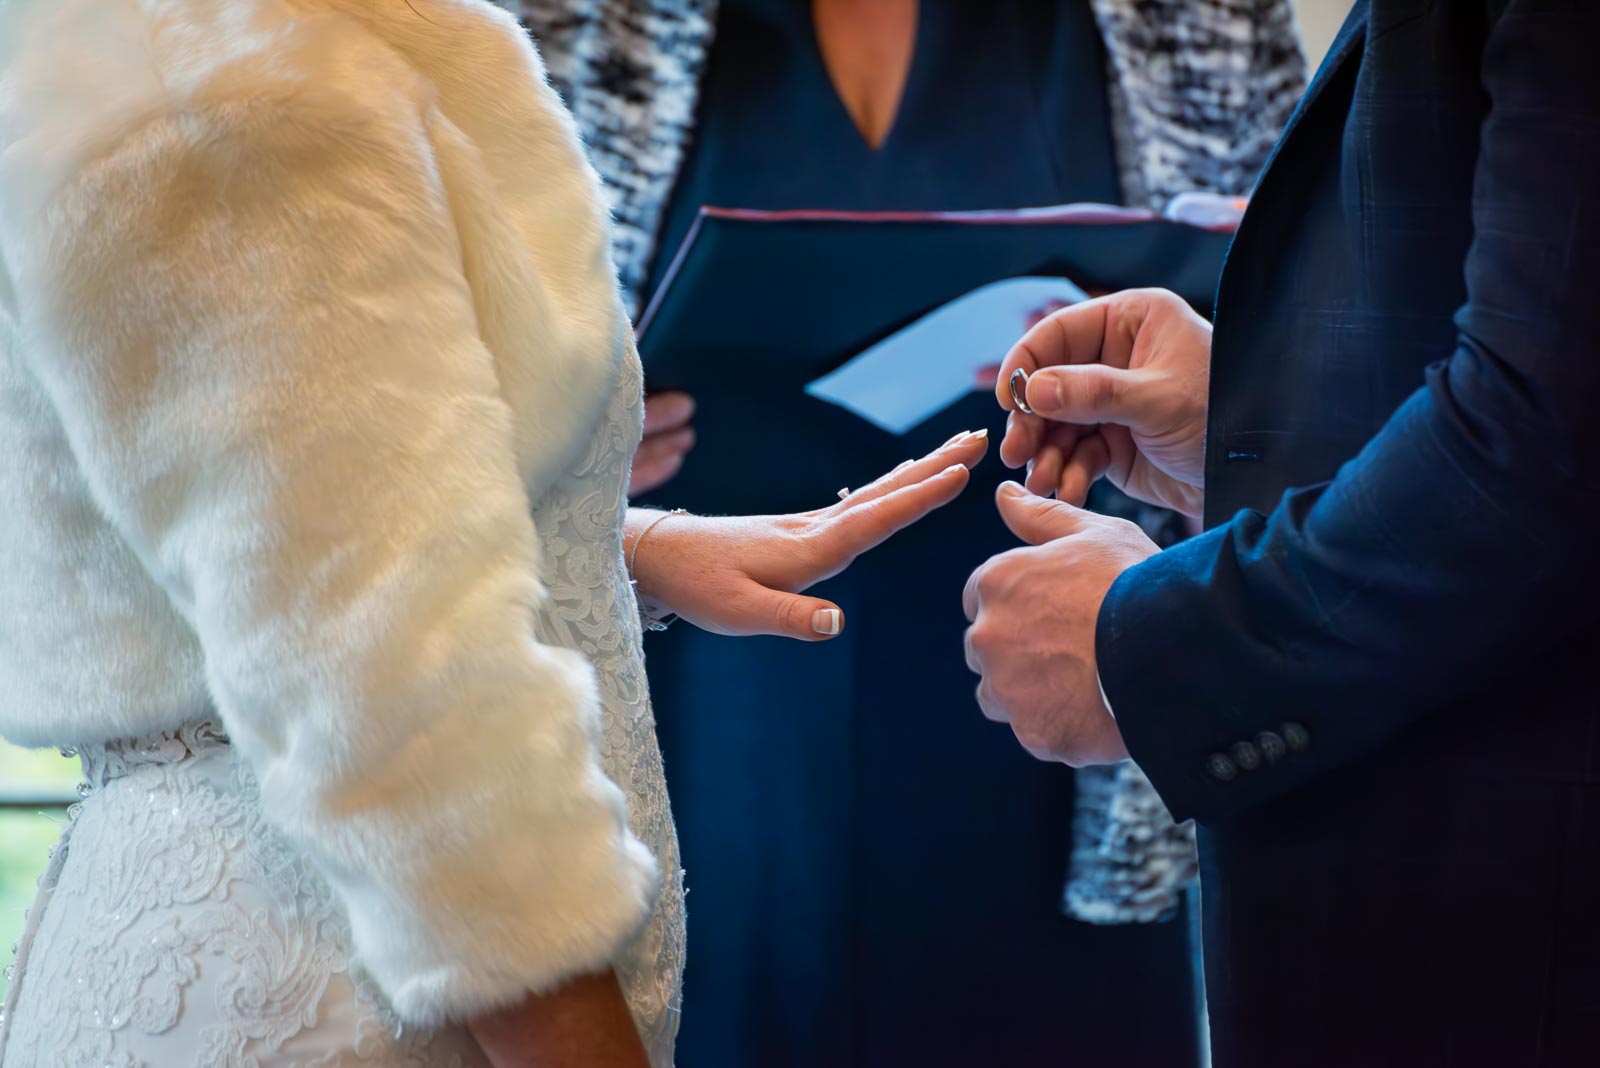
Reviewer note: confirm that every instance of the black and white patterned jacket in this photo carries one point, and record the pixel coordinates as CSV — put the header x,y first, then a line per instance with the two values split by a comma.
x,y
1199,91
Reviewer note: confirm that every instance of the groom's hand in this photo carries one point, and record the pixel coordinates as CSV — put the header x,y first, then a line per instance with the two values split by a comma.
x,y
1118,388
1033,613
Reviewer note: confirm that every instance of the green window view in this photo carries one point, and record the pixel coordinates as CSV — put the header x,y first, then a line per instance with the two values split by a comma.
x,y
36,786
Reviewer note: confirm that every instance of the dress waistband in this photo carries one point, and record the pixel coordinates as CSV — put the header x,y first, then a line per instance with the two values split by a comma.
x,y
112,760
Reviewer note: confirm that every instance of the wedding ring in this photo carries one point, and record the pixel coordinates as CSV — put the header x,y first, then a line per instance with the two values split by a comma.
x,y
1019,390
844,494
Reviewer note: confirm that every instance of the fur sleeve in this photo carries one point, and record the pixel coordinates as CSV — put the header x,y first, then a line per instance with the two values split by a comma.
x,y
252,319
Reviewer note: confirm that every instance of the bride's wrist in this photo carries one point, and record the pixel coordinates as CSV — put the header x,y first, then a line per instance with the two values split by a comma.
x,y
642,548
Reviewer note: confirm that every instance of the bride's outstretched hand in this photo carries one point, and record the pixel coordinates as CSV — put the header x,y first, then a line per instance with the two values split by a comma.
x,y
745,574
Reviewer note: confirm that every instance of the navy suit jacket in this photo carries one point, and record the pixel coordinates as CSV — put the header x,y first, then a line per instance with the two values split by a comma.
x,y
1377,674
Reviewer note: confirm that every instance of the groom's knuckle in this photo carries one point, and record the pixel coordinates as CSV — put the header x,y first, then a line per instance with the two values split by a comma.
x,y
1027,736
973,653
1064,551
979,637
1100,392
987,580
987,703
1126,528
1033,735
1006,571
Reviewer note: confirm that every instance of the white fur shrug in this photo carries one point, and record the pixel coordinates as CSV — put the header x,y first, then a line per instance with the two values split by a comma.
x,y
305,305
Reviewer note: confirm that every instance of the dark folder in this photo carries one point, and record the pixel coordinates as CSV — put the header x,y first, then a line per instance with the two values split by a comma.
x,y
757,304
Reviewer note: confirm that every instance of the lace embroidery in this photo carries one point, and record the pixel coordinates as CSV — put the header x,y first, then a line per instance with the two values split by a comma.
x,y
187,931
592,608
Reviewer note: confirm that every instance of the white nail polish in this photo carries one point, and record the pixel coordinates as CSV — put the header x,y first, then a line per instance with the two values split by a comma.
x,y
980,435
826,621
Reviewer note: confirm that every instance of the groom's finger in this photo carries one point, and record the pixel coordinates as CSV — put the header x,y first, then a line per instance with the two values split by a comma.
x,y
1060,442
1073,335
1096,334
1088,462
1093,393
1037,520
1045,471
1024,434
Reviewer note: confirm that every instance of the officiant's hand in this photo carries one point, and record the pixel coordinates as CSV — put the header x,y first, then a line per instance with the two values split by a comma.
x,y
1033,612
668,438
744,574
1118,387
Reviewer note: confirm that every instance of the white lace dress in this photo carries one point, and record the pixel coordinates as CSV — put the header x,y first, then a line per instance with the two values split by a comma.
x,y
175,928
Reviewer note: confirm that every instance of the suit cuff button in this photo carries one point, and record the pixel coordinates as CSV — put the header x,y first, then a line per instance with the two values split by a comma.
x,y
1221,767
1296,737
1272,746
1247,756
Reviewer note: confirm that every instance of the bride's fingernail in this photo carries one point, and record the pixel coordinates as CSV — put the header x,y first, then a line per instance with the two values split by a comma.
x,y
905,464
979,435
826,621
958,437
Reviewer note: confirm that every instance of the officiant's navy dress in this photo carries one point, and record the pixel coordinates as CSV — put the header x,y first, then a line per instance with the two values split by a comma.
x,y
875,869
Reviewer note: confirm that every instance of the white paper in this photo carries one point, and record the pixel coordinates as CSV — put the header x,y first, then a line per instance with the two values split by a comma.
x,y
926,367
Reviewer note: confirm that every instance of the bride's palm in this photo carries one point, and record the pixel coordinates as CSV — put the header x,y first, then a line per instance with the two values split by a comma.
x,y
744,574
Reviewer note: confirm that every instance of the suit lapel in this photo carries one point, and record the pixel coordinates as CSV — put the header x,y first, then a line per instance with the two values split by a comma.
x,y
1351,36
1262,221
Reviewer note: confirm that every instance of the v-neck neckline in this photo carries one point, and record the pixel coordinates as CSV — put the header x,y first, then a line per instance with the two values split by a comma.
x,y
838,105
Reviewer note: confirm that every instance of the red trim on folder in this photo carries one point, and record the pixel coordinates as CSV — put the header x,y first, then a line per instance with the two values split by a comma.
x,y
1081,214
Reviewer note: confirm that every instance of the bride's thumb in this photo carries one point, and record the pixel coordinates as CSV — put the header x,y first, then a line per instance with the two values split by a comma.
x,y
791,615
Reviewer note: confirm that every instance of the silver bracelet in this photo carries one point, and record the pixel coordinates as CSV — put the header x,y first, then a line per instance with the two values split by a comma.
x,y
653,616
633,557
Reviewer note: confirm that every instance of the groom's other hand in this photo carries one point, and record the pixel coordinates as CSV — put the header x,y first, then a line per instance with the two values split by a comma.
x,y
1118,387
1033,613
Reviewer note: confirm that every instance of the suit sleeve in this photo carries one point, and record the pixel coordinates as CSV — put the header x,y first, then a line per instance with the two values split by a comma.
x,y
1454,548
259,339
